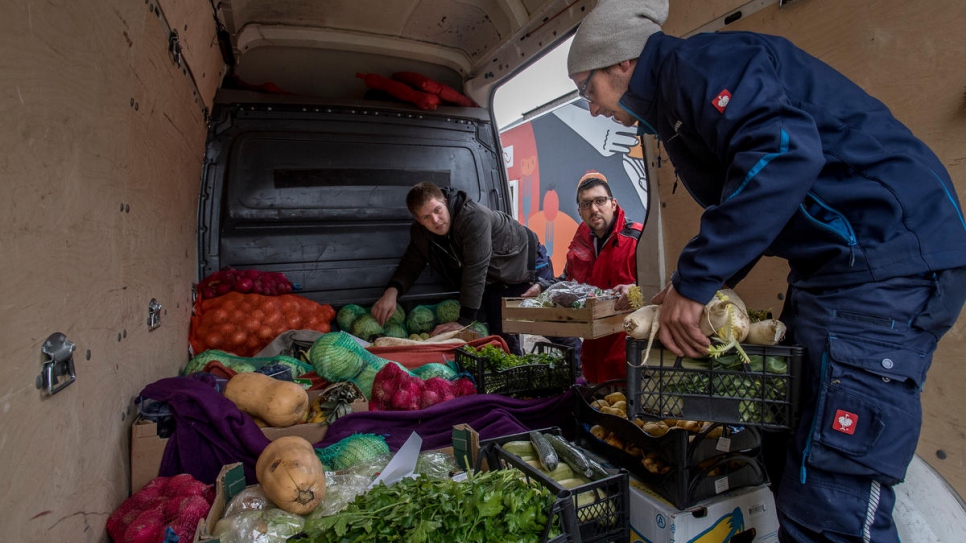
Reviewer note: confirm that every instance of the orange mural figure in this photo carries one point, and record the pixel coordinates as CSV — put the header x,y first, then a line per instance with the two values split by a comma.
x,y
554,229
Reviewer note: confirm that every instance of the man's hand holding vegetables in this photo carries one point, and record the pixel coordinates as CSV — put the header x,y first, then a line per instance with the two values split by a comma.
x,y
791,159
679,330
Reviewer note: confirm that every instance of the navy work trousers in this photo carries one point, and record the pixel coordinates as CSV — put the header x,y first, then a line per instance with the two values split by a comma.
x,y
868,348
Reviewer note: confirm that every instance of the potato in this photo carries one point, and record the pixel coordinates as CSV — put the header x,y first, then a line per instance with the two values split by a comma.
x,y
615,397
655,429
599,431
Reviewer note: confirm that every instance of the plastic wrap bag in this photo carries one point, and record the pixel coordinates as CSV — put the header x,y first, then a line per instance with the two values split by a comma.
x,y
438,465
252,498
342,487
271,525
569,294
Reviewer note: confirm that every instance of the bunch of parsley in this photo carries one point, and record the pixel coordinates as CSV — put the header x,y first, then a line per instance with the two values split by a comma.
x,y
495,506
498,359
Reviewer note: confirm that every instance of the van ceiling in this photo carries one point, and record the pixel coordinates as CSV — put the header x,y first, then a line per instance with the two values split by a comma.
x,y
316,47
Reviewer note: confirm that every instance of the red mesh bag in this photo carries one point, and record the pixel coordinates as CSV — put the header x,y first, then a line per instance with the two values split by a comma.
x,y
394,389
243,324
179,502
228,280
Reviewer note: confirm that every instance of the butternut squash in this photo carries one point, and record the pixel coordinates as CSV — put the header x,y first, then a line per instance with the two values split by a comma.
x,y
291,475
279,403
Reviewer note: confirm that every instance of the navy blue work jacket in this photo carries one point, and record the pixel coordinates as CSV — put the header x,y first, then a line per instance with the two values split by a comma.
x,y
789,158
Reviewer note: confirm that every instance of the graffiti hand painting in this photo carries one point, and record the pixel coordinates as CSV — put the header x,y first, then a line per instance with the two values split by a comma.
x,y
603,134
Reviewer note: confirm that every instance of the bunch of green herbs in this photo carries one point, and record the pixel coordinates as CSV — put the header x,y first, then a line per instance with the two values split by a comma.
x,y
498,360
500,506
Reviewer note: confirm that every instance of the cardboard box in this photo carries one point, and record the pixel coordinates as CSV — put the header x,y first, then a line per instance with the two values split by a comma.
x,y
147,447
146,452
230,481
597,318
717,520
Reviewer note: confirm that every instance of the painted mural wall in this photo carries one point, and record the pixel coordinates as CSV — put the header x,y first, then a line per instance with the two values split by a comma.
x,y
545,158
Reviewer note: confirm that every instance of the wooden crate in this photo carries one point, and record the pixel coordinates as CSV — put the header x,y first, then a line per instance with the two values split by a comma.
x,y
597,318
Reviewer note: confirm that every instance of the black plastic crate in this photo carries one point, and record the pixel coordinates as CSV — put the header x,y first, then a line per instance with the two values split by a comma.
x,y
669,386
527,381
605,519
695,466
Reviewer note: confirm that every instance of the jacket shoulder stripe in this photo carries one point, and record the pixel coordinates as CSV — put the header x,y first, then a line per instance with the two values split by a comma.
x,y
632,230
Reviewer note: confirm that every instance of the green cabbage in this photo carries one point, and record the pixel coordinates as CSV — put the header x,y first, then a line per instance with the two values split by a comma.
x,y
447,311
399,317
395,329
421,319
348,314
479,328
366,327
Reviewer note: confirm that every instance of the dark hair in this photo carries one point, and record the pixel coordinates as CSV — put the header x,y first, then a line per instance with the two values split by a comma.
x,y
422,193
592,180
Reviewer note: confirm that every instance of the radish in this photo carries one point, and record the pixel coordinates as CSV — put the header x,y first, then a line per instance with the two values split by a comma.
x,y
766,332
725,320
644,323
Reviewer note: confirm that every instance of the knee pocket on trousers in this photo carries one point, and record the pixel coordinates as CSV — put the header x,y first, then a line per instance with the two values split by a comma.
x,y
869,409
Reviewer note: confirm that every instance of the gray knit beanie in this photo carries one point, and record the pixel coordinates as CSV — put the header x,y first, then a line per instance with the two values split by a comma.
x,y
613,32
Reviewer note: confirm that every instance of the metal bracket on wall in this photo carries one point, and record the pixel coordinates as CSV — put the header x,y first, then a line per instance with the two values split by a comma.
x,y
177,58
58,362
154,314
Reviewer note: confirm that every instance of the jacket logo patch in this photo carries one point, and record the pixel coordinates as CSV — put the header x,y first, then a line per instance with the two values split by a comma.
x,y
845,422
722,100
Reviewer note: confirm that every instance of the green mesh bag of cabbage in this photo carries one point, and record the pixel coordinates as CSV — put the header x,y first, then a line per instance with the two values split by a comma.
x,y
355,450
337,357
242,363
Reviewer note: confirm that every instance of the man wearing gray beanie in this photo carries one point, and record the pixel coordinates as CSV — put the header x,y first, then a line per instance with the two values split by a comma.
x,y
789,158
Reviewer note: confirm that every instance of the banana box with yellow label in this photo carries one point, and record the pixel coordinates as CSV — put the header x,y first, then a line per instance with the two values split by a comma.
x,y
746,515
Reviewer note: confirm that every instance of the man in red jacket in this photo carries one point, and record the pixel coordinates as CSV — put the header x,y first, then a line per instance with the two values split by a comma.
x,y
603,253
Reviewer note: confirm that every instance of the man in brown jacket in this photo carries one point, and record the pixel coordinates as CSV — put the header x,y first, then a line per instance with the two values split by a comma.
x,y
485,254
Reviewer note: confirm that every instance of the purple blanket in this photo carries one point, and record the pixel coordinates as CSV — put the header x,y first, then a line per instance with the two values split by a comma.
x,y
209,431
490,415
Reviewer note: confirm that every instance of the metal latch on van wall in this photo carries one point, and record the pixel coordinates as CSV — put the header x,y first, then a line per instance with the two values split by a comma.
x,y
59,362
154,314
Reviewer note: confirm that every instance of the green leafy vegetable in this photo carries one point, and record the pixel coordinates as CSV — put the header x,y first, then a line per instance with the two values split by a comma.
x,y
492,507
420,319
447,311
498,359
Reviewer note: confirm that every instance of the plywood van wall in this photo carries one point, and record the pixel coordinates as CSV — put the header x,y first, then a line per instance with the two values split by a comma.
x,y
102,145
911,56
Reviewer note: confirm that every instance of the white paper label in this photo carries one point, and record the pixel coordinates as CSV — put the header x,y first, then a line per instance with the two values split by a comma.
x,y
724,444
721,485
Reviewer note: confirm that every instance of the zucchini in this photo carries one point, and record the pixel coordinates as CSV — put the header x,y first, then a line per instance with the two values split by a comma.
x,y
519,448
545,453
581,463
562,472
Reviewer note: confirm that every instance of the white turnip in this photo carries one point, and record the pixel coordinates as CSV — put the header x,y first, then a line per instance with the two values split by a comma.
x,y
725,320
766,332
644,323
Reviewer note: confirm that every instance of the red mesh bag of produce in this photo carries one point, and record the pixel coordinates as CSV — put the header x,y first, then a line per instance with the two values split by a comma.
x,y
177,502
228,280
243,324
394,389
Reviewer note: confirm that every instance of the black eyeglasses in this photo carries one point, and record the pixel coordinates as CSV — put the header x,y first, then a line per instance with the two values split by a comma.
x,y
582,91
600,201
